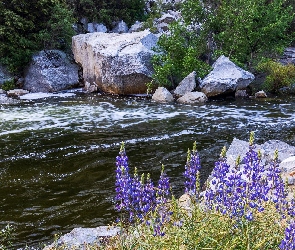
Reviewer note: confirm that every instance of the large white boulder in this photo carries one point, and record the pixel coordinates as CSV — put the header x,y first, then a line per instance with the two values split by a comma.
x,y
225,78
51,71
117,63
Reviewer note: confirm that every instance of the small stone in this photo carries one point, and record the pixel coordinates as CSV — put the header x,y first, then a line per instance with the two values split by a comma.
x,y
162,95
241,93
17,92
193,97
260,94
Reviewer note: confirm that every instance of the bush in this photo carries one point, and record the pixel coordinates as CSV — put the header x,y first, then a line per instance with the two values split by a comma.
x,y
30,26
8,85
243,30
278,75
179,53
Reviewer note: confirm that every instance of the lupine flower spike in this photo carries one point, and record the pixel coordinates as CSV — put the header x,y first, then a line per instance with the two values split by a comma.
x,y
191,174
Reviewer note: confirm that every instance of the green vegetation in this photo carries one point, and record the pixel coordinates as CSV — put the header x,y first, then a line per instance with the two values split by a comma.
x,y
205,230
30,26
8,85
5,237
243,30
278,75
179,54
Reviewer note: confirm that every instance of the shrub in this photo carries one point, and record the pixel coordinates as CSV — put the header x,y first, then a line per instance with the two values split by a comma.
x,y
29,26
278,75
179,53
243,30
5,237
8,85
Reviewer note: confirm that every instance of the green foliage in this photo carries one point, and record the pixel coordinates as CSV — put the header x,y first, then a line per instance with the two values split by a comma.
x,y
179,53
200,229
243,30
5,237
58,31
8,85
29,26
278,75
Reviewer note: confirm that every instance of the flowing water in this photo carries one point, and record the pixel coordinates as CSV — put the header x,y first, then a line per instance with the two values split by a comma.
x,y
57,154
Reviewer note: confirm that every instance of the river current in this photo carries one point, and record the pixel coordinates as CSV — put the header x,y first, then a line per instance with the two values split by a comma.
x,y
57,154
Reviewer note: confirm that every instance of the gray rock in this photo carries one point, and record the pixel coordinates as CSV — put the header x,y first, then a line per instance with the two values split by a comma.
x,y
84,22
287,90
193,97
83,238
17,92
51,71
90,28
288,165
188,84
138,26
7,100
4,75
121,27
260,94
99,27
241,93
167,18
288,56
225,78
267,149
117,63
90,88
162,95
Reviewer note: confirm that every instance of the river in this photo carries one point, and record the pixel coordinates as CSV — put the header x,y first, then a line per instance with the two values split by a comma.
x,y
57,154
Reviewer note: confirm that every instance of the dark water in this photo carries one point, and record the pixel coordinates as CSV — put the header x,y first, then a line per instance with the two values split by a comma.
x,y
57,155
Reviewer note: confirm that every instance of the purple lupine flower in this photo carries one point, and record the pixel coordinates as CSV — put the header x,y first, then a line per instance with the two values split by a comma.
x,y
135,196
123,182
288,243
238,191
277,186
163,190
192,169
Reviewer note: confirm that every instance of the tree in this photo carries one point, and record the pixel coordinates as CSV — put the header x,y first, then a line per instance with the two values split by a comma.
x,y
28,26
244,30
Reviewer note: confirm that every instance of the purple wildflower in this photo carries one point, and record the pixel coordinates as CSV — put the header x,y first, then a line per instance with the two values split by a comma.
x,y
238,191
288,243
191,173
163,190
123,182
277,186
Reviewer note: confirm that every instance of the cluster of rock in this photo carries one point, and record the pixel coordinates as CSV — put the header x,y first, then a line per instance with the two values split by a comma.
x,y
225,79
118,61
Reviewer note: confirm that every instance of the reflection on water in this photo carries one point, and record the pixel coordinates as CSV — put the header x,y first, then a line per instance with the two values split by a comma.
x,y
57,154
